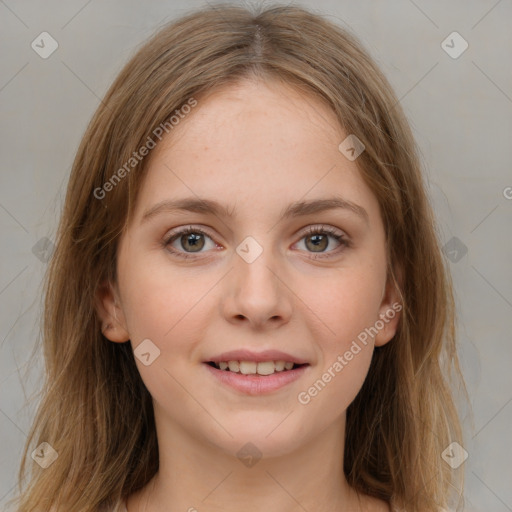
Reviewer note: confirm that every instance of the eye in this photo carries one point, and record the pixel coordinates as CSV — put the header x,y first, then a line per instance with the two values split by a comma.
x,y
190,239
319,241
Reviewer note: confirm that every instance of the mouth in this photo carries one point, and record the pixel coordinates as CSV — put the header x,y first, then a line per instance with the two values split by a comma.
x,y
255,378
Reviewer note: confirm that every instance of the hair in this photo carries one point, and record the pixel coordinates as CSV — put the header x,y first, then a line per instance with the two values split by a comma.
x,y
95,410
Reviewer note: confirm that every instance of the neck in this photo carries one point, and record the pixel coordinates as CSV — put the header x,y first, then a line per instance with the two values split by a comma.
x,y
195,475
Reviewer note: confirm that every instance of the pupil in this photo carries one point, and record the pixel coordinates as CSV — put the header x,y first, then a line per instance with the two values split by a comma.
x,y
194,240
317,241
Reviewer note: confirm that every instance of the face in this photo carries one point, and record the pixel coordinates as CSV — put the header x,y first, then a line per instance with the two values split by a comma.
x,y
276,267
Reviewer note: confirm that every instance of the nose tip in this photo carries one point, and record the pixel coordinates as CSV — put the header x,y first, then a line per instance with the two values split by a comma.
x,y
258,295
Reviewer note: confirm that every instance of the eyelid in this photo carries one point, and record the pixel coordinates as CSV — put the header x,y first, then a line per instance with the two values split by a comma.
x,y
180,230
314,228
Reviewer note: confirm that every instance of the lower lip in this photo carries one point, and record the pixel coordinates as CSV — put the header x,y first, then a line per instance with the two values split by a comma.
x,y
257,384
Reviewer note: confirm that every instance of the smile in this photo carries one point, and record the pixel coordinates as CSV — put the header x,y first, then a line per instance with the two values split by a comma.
x,y
254,378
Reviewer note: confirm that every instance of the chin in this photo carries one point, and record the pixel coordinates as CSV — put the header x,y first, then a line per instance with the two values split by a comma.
x,y
259,439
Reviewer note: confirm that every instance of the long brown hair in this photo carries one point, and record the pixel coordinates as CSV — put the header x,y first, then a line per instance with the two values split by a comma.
x,y
95,411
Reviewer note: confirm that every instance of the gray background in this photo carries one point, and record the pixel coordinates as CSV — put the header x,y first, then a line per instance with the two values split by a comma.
x,y
461,113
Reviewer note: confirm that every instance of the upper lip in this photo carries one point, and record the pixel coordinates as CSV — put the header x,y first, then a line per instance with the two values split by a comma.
x,y
257,357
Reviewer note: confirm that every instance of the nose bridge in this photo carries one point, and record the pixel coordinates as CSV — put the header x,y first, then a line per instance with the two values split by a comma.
x,y
257,291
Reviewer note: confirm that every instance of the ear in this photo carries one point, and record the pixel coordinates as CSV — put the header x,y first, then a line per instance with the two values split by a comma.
x,y
390,308
113,322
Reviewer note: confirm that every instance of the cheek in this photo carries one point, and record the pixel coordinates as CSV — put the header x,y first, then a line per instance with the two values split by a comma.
x,y
345,304
170,310
334,387
345,350
157,301
166,310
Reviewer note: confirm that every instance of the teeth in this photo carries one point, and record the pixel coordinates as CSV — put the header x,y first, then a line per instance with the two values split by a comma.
x,y
279,365
233,366
248,367
266,368
253,368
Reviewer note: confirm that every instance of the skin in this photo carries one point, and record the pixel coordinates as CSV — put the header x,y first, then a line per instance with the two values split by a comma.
x,y
255,147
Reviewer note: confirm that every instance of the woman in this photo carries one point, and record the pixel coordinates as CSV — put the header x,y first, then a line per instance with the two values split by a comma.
x,y
210,358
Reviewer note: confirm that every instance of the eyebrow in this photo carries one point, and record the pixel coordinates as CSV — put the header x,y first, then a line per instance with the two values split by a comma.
x,y
296,209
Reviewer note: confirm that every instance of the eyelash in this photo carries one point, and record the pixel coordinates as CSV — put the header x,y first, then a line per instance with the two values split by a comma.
x,y
311,231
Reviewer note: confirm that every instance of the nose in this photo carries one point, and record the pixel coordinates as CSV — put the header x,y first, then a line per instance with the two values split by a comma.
x,y
257,293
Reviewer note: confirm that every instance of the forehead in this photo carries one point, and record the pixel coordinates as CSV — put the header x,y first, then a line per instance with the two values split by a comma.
x,y
254,143
241,109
